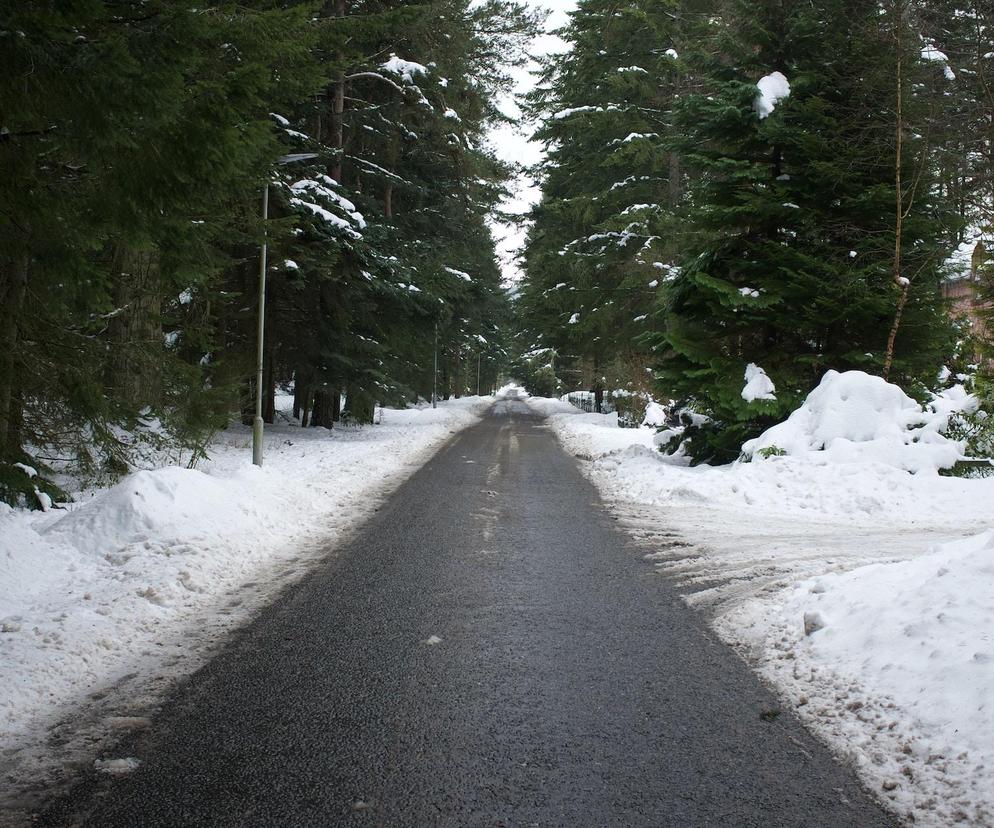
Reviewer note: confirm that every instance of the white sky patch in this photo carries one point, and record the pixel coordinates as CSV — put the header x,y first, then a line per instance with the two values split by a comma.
x,y
773,88
512,144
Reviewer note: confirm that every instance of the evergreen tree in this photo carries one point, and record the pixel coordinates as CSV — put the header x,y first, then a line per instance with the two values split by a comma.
x,y
790,244
137,141
601,237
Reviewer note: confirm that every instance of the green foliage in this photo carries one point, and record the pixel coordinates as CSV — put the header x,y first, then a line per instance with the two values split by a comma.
x,y
680,221
976,430
136,142
536,372
18,489
771,451
631,409
598,245
784,266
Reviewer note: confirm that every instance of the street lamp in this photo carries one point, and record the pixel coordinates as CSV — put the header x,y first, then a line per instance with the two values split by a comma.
x,y
257,421
434,373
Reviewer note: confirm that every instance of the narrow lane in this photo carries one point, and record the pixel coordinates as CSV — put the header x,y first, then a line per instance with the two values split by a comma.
x,y
569,686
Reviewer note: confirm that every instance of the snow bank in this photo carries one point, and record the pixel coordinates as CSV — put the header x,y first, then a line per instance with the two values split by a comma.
x,y
855,417
918,632
906,647
106,589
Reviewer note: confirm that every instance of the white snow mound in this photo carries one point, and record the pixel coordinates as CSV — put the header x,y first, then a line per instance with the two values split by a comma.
x,y
917,632
855,417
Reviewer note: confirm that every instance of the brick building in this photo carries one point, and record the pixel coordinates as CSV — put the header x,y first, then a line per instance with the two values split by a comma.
x,y
960,289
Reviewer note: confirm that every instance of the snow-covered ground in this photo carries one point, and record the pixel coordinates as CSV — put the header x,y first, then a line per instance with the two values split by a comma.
x,y
111,597
863,593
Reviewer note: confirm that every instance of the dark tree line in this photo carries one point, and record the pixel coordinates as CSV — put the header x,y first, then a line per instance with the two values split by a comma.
x,y
136,138
690,226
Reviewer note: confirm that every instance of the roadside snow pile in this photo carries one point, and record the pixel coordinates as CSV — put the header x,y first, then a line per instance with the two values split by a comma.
x,y
917,631
861,591
855,417
164,507
907,642
846,451
109,587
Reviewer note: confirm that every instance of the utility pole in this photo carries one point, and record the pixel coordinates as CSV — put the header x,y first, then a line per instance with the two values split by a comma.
x,y
257,424
257,421
434,376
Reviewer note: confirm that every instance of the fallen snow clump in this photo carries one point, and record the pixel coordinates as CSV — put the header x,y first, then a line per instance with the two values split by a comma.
x,y
773,88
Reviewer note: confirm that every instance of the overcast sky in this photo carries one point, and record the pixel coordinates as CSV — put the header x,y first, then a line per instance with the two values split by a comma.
x,y
512,144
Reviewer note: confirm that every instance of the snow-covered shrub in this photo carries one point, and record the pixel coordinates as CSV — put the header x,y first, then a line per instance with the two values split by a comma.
x,y
21,485
975,430
856,417
630,408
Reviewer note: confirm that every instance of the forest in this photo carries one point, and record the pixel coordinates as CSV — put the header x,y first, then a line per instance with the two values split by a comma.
x,y
775,188
138,139
760,192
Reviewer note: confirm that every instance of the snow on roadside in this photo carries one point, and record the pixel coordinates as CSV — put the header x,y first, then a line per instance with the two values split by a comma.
x,y
897,669
110,587
893,572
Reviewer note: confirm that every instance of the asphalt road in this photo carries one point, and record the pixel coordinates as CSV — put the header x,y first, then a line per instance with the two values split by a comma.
x,y
570,686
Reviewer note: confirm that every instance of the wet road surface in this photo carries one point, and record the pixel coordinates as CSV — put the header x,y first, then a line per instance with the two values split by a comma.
x,y
565,683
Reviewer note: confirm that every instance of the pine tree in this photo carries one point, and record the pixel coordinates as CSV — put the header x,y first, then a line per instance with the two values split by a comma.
x,y
599,241
790,226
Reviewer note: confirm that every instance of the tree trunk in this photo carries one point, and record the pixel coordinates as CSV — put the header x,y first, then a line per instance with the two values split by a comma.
x,y
457,373
305,407
336,405
323,413
359,405
134,371
13,290
674,185
298,395
340,7
900,281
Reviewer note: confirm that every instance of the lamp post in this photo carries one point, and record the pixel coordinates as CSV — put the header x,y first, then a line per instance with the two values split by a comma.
x,y
434,375
257,424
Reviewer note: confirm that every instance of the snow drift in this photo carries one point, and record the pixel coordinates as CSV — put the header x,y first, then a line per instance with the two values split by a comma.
x,y
855,417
